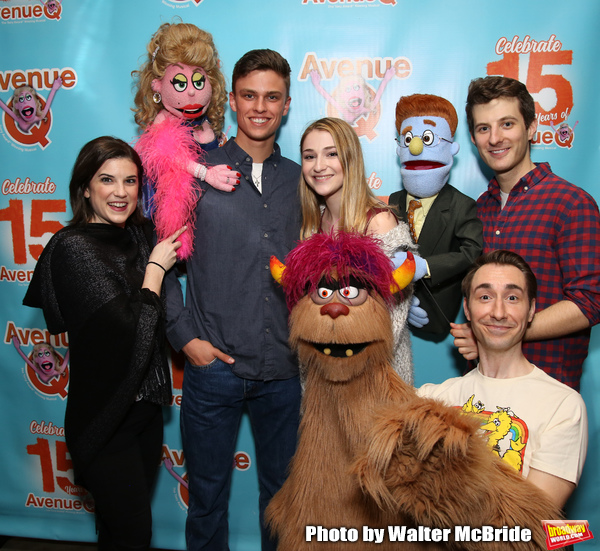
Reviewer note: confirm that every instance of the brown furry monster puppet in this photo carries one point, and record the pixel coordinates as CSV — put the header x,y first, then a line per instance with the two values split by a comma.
x,y
371,452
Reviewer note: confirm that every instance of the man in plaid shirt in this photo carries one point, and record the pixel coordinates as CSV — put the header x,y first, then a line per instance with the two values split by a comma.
x,y
552,224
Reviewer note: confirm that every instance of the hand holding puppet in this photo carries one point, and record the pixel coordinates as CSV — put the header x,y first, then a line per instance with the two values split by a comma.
x,y
180,105
451,235
370,451
26,109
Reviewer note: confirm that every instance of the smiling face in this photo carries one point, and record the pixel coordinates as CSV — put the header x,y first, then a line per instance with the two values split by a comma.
x,y
25,105
502,139
321,165
44,358
498,307
260,101
185,91
426,150
113,192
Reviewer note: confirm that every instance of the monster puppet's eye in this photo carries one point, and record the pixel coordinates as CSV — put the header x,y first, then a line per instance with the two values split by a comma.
x,y
324,292
349,292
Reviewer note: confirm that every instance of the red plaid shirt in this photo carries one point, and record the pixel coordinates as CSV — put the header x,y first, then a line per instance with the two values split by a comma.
x,y
555,227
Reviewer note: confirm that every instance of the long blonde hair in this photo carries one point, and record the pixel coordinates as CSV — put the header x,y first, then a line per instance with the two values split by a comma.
x,y
179,43
357,198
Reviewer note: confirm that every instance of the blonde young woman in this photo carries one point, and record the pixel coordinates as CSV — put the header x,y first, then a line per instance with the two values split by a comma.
x,y
334,196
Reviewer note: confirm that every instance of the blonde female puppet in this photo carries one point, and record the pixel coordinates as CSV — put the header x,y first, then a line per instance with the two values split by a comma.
x,y
180,105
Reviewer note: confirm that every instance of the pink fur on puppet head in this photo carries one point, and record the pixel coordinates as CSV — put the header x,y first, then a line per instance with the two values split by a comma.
x,y
337,256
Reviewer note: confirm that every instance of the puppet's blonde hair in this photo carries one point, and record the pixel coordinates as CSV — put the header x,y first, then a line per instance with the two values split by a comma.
x,y
179,43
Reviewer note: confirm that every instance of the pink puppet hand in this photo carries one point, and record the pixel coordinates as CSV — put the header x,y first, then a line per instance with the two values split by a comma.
x,y
222,177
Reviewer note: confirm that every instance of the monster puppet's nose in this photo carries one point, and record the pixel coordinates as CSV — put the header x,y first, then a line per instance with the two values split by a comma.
x,y
334,309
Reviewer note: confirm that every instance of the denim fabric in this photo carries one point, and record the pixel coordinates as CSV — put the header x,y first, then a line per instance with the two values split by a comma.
x,y
212,405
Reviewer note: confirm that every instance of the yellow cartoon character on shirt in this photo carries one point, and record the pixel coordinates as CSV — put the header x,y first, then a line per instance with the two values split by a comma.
x,y
506,433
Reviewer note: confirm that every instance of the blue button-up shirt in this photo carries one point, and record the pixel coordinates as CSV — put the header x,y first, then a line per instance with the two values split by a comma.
x,y
231,299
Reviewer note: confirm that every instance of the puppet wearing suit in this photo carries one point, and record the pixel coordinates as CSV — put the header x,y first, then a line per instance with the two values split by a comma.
x,y
450,237
370,451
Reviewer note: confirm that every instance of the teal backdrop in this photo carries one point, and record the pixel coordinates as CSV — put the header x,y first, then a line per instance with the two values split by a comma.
x,y
434,47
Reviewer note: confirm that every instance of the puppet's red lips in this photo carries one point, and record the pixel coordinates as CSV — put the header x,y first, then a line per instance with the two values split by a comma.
x,y
422,165
47,366
354,103
340,350
191,111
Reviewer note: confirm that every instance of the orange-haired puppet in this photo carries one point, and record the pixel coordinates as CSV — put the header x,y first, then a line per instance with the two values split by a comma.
x,y
444,222
180,105
370,451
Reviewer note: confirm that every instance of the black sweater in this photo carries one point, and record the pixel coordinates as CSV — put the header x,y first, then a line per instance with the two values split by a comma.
x,y
88,282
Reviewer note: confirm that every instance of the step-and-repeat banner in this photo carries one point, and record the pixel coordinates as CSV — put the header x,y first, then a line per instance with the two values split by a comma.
x,y
339,50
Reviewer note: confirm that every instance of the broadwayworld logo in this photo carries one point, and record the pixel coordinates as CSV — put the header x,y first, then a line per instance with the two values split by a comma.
x,y
560,533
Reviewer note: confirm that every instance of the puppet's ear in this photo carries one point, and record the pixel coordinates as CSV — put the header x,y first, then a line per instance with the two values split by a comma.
x,y
455,148
277,269
403,274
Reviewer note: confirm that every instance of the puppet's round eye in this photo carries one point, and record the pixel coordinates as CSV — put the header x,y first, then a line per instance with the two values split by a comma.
x,y
198,80
179,82
428,137
324,292
349,292
407,138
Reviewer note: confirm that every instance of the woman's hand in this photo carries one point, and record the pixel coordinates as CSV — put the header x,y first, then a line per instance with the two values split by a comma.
x,y
165,252
162,258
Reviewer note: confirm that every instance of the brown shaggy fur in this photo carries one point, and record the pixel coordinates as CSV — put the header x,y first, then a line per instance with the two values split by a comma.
x,y
372,453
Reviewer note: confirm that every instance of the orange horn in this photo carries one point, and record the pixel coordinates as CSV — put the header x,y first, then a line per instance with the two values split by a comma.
x,y
277,269
403,274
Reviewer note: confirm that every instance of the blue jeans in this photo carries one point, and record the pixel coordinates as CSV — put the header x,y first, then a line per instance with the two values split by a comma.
x,y
213,399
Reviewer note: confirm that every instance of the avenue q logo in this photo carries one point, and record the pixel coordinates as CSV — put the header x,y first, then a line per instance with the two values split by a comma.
x,y
46,9
26,113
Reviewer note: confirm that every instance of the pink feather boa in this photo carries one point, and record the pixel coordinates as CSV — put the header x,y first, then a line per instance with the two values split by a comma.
x,y
166,149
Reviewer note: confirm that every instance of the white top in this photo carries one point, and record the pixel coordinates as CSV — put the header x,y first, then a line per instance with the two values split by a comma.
x,y
533,421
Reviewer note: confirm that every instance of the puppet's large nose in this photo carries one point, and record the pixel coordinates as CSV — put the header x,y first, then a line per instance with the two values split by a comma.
x,y
334,309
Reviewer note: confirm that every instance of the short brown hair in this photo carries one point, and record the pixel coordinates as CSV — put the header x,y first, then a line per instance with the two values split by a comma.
x,y
503,258
91,157
483,90
262,60
422,105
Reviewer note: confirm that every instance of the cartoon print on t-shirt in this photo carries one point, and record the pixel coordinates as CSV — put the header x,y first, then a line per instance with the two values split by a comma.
x,y
507,434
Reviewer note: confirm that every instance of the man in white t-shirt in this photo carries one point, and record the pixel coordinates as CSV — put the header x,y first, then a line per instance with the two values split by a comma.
x,y
532,421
